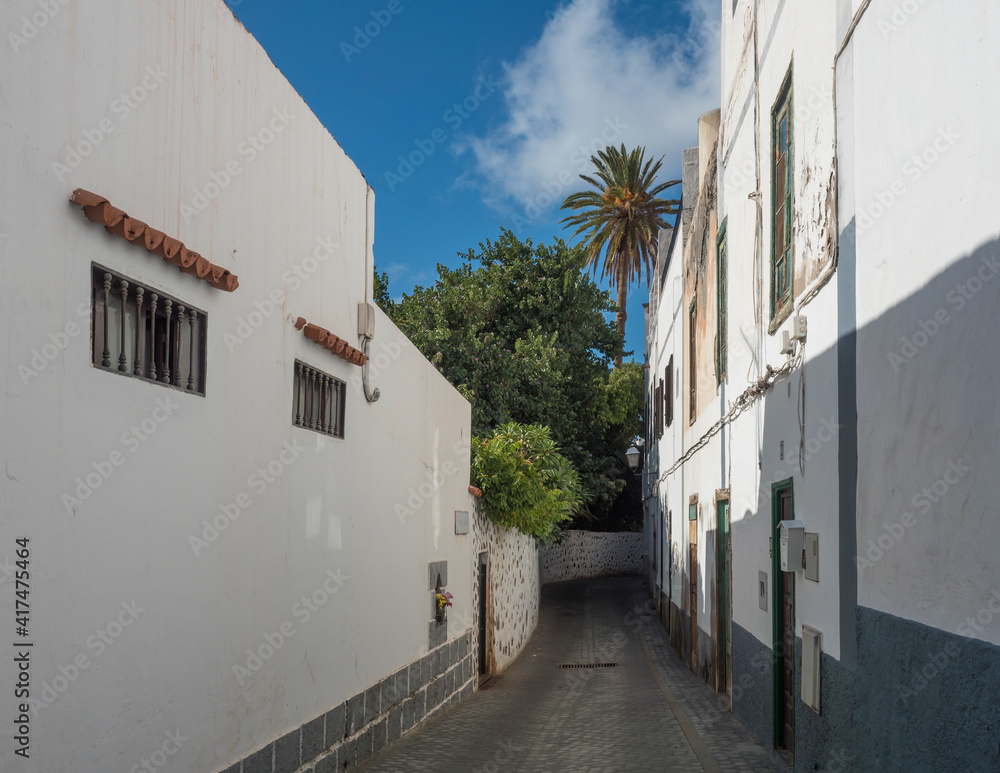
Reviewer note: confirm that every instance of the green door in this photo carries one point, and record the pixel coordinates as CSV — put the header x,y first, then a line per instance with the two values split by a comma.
x,y
724,602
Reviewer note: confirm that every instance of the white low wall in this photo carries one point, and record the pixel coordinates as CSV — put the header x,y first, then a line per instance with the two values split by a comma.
x,y
513,595
582,554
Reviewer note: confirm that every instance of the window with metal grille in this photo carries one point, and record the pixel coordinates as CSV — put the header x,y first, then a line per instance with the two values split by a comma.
x,y
319,401
722,316
781,201
144,333
658,409
668,393
693,359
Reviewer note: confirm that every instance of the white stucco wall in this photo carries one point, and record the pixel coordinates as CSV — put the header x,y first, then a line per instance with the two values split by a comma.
x,y
921,197
581,554
352,507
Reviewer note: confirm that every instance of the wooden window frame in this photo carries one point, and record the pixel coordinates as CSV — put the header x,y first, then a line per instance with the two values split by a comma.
x,y
722,305
781,295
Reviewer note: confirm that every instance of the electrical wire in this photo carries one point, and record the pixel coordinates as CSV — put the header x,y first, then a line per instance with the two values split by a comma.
x,y
750,395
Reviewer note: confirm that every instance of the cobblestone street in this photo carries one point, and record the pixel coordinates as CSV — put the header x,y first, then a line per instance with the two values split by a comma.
x,y
647,712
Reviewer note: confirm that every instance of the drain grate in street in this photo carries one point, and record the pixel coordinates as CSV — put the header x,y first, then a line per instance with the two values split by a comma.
x,y
588,665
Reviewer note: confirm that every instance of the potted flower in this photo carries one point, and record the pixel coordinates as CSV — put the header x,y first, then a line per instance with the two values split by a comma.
x,y
443,602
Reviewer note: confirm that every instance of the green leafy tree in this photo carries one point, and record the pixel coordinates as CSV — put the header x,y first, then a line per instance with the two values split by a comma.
x,y
522,332
380,290
622,218
526,483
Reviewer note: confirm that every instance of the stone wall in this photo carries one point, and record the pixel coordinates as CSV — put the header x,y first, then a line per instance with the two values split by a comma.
x,y
513,590
582,554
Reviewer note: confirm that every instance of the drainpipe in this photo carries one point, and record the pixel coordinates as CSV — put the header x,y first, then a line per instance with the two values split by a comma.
x,y
366,310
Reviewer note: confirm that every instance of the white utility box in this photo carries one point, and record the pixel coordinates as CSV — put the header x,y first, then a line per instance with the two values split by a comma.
x,y
791,537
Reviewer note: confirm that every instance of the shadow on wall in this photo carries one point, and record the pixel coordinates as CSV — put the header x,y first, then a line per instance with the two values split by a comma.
x,y
921,528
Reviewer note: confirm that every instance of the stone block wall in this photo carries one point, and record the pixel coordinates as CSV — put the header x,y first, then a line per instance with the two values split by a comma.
x,y
581,554
360,727
514,589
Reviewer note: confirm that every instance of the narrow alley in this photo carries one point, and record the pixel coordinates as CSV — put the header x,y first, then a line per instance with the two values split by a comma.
x,y
646,712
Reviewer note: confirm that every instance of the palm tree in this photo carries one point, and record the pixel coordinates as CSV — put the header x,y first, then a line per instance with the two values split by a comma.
x,y
622,218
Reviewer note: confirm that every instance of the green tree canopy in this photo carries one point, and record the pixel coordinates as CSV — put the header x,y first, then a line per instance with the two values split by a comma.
x,y
526,483
522,332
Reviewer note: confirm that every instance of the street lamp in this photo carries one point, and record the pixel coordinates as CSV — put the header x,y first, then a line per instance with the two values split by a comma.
x,y
632,456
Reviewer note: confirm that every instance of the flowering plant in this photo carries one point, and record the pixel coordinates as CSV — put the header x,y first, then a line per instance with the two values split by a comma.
x,y
444,600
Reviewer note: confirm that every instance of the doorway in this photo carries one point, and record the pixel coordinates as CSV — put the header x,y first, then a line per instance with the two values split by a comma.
x,y
693,579
723,565
782,509
483,598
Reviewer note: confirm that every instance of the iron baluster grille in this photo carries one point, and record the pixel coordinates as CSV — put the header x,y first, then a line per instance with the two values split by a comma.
x,y
141,333
318,401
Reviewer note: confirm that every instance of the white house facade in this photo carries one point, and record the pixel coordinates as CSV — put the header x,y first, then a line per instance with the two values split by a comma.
x,y
231,487
828,308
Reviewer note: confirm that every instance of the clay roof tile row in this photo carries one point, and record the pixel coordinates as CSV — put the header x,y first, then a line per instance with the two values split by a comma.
x,y
329,341
118,223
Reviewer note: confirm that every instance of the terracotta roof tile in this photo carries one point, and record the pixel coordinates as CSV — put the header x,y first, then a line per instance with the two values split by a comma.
x,y
118,223
333,343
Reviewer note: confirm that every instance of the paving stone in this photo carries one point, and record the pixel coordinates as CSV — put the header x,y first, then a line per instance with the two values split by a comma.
x,y
261,761
313,734
287,752
329,764
413,678
379,736
355,713
336,725
539,718
373,703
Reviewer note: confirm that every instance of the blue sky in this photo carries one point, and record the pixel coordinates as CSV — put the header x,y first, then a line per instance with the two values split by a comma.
x,y
466,118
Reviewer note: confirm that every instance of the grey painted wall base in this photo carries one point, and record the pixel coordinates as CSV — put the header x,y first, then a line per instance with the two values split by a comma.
x,y
930,700
752,685
826,741
366,723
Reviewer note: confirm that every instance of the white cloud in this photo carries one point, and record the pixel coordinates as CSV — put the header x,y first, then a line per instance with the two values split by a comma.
x,y
587,83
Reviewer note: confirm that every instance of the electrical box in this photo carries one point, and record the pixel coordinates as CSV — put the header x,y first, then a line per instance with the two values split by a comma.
x,y
799,328
787,347
791,536
366,320
812,556
461,522
812,651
